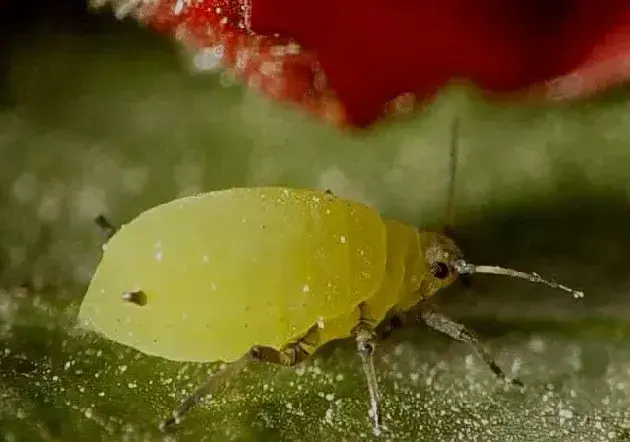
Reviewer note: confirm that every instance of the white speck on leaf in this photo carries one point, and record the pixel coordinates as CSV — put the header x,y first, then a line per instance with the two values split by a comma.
x,y
25,187
565,413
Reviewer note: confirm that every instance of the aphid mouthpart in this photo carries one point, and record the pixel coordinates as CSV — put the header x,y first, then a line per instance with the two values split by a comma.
x,y
138,297
465,268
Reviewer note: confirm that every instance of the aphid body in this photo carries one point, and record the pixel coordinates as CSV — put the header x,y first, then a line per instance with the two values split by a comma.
x,y
228,270
271,274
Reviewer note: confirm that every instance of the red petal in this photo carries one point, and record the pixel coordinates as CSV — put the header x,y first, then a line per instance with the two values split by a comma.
x,y
275,65
380,55
594,52
373,51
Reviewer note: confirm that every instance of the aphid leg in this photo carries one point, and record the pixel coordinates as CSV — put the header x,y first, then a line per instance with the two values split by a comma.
x,y
366,342
108,228
457,331
211,386
292,353
289,356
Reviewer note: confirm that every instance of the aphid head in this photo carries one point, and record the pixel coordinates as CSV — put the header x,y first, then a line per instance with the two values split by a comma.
x,y
440,252
444,260
446,264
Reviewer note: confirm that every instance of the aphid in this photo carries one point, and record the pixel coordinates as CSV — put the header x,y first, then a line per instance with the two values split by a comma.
x,y
270,274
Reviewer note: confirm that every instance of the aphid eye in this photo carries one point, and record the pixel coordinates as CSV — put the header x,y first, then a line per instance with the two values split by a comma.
x,y
440,270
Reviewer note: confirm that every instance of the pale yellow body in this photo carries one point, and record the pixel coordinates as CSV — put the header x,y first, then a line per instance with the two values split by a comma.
x,y
400,290
228,270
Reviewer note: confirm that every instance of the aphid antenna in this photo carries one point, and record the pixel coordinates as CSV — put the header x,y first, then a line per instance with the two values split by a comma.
x,y
449,215
465,268
449,212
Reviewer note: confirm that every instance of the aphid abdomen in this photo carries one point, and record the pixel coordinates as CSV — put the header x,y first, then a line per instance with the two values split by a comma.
x,y
366,236
421,284
367,250
228,270
393,286
402,254
332,329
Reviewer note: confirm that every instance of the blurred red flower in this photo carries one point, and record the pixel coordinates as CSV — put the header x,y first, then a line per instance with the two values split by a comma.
x,y
353,61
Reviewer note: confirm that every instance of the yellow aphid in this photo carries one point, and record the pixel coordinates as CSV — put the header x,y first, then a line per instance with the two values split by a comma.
x,y
243,263
268,274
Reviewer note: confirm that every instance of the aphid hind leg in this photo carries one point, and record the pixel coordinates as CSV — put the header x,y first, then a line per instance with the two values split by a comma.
x,y
107,227
457,331
211,386
289,356
292,353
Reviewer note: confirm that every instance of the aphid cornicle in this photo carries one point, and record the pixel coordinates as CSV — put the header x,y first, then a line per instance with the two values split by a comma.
x,y
269,274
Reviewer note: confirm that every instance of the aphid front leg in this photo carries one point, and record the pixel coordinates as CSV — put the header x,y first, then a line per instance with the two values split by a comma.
x,y
454,330
366,342
211,386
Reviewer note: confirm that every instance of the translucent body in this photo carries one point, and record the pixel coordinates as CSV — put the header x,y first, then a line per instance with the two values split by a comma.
x,y
228,270
406,282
